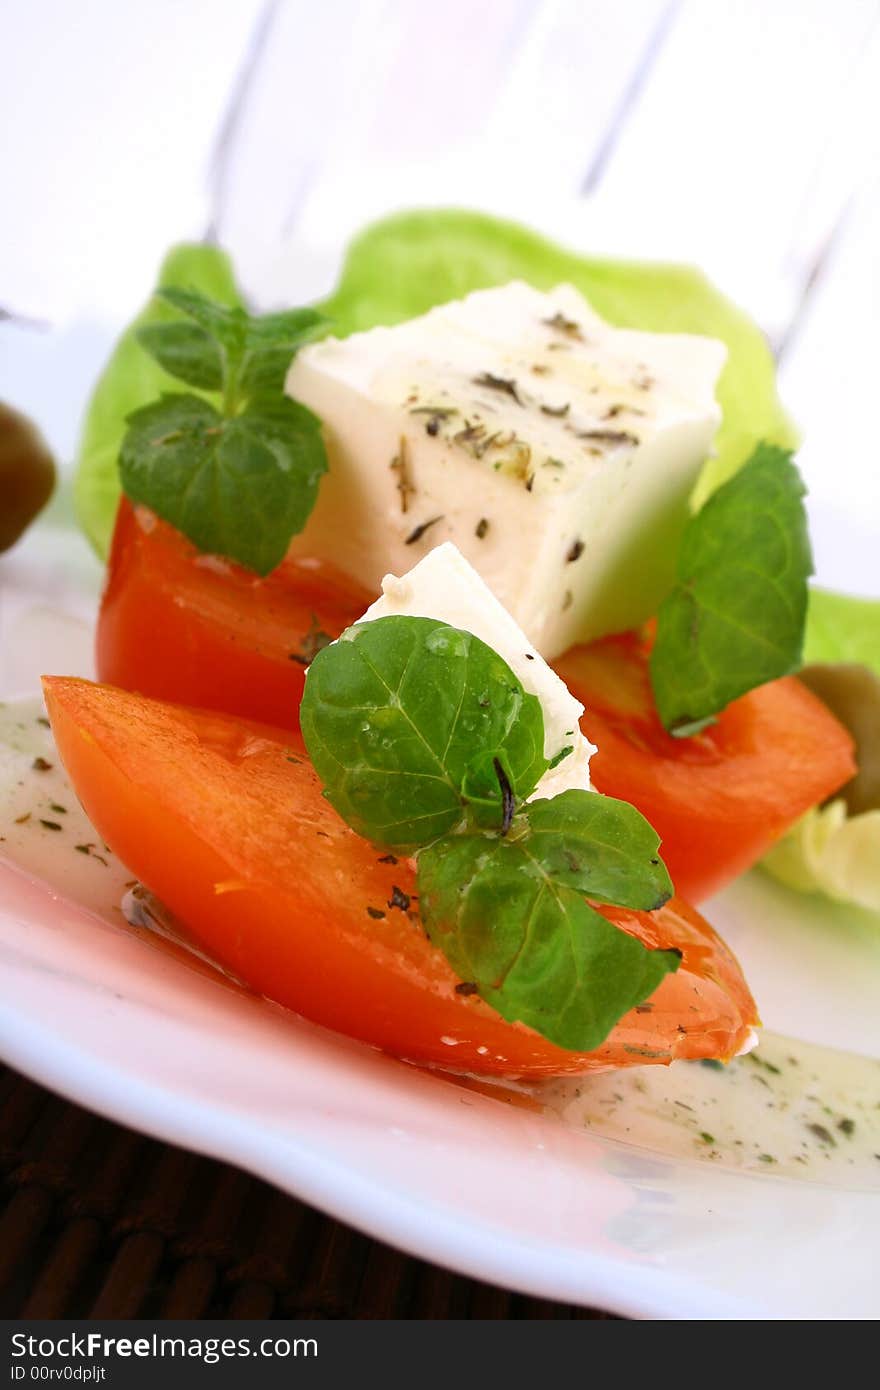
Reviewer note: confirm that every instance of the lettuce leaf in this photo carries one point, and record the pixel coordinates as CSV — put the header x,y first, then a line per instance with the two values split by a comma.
x,y
405,264
841,628
829,852
133,378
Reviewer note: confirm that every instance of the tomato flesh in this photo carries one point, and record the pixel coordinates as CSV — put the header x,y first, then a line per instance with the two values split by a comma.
x,y
225,822
186,627
720,799
183,626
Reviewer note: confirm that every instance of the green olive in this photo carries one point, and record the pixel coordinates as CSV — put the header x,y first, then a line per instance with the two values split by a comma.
x,y
852,693
27,474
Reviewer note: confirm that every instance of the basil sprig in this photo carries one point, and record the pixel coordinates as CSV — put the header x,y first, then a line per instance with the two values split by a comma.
x,y
237,470
530,942
735,618
427,743
404,719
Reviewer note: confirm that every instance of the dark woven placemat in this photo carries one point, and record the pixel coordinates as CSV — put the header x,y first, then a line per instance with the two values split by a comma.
x,y
97,1221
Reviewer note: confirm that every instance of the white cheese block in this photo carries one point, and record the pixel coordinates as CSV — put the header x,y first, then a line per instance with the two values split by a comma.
x,y
557,452
444,586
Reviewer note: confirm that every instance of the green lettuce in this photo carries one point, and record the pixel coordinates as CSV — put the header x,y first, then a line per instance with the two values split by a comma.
x,y
133,378
841,628
404,265
829,852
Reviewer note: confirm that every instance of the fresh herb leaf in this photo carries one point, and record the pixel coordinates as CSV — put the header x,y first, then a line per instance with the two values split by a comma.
x,y
272,342
239,480
536,950
404,719
238,487
426,741
227,325
185,351
255,351
218,349
602,847
735,618
132,378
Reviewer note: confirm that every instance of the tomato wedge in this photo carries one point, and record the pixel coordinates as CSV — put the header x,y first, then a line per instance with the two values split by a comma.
x,y
184,626
718,800
225,822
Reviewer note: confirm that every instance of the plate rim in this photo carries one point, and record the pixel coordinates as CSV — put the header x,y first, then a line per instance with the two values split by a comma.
x,y
598,1280
58,1032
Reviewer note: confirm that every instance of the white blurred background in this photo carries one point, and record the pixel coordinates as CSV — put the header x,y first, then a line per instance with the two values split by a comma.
x,y
743,135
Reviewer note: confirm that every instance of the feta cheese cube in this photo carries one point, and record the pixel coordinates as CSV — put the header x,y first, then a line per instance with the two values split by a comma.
x,y
557,453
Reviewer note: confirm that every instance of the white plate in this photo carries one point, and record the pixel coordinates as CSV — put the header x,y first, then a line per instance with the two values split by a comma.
x,y
497,1192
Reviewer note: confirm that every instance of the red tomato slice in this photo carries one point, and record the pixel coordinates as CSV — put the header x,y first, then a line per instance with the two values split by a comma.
x,y
225,822
183,626
718,800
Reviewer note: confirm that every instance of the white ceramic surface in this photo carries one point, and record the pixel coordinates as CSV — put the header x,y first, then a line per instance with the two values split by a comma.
x,y
495,1191
488,1189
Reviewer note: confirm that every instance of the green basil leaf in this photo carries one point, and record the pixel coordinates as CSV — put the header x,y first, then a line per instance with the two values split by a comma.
x,y
228,326
272,342
735,618
426,742
240,487
186,352
601,846
132,378
256,352
397,717
537,952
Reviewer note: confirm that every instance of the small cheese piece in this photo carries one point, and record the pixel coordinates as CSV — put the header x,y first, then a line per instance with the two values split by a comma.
x,y
557,452
444,586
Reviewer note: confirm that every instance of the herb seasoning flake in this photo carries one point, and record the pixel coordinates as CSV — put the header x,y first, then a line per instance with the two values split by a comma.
x,y
569,328
399,899
400,466
506,385
314,641
418,531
